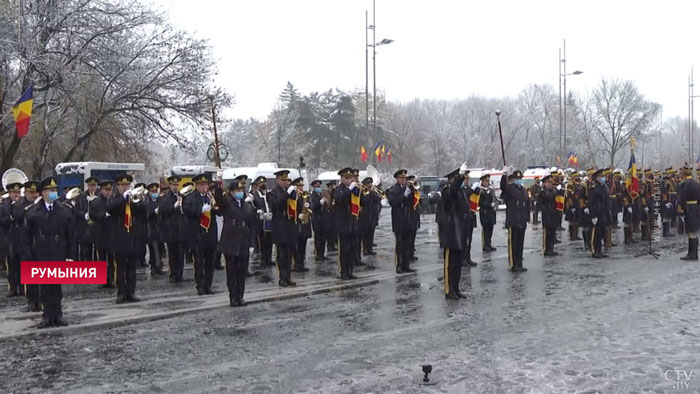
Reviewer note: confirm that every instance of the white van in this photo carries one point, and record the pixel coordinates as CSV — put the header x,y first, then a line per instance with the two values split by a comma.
x,y
263,169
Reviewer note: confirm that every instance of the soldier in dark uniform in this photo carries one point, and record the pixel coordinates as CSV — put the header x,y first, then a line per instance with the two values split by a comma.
x,y
487,212
570,206
645,214
103,229
8,222
332,238
545,200
413,217
584,218
264,220
140,228
517,215
357,242
535,190
83,224
675,181
346,211
369,215
19,209
599,210
679,208
317,201
454,205
401,199
666,205
49,236
630,208
618,190
283,225
153,238
170,210
688,197
200,232
126,240
4,232
435,199
469,192
303,227
237,238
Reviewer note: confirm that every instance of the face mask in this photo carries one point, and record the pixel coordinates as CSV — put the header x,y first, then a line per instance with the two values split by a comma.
x,y
238,195
154,195
602,180
519,181
317,189
53,196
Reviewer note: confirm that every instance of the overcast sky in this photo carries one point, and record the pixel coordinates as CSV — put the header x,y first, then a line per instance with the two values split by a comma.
x,y
444,49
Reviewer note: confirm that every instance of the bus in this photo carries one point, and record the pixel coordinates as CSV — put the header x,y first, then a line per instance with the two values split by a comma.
x,y
186,173
75,173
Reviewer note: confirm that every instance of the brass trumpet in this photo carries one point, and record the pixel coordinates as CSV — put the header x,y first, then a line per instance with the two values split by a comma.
x,y
137,195
375,189
306,213
415,185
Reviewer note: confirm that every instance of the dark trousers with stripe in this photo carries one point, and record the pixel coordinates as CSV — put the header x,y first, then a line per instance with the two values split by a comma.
x,y
51,297
299,254
236,269
265,241
284,261
107,256
486,235
549,237
401,251
13,273
176,260
452,270
86,251
319,244
126,273
347,254
33,294
204,266
597,235
368,240
412,243
154,256
516,238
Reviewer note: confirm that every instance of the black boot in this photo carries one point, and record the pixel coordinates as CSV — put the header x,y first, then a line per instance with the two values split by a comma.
x,y
692,250
627,235
666,229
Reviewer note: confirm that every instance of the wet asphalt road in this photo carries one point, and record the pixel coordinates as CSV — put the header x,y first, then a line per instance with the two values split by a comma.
x,y
570,324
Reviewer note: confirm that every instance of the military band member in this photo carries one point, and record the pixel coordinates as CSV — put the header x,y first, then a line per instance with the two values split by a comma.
x,y
599,210
49,236
546,202
103,229
570,206
675,181
7,221
667,207
413,217
153,224
617,191
645,213
401,199
19,210
630,208
584,218
435,199
517,215
284,215
346,211
469,219
140,229
303,227
452,225
83,224
200,232
318,200
369,215
487,212
170,210
332,238
126,239
4,231
535,190
688,197
237,237
264,220
357,243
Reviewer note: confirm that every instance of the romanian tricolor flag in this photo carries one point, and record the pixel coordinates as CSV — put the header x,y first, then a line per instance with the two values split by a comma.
x,y
559,202
474,201
22,112
416,199
127,215
355,202
378,151
632,183
205,220
363,153
388,155
292,206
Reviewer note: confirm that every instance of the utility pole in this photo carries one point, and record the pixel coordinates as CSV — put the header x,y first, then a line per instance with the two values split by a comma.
x,y
366,72
217,159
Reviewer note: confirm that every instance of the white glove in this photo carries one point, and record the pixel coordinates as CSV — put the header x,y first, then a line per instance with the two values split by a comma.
x,y
249,198
206,208
573,211
559,187
594,221
323,201
259,212
353,186
107,214
267,216
407,192
669,205
127,194
507,170
87,216
177,204
629,209
306,205
291,189
646,209
156,210
301,216
439,193
250,250
475,186
586,211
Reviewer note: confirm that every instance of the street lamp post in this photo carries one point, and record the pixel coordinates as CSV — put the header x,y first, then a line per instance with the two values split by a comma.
x,y
374,45
217,159
366,72
562,66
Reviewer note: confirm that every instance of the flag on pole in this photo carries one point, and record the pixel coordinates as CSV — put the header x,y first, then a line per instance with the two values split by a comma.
x,y
632,183
388,155
355,202
292,206
559,202
363,153
378,151
474,201
22,112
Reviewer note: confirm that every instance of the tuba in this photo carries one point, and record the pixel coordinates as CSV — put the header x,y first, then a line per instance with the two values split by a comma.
x,y
13,175
73,193
138,194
